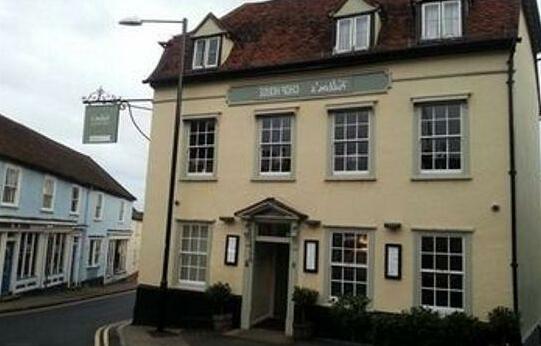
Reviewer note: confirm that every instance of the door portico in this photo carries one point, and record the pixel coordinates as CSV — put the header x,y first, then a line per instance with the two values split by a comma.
x,y
269,222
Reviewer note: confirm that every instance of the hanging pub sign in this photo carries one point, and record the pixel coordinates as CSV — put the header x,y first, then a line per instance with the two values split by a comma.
x,y
101,123
311,88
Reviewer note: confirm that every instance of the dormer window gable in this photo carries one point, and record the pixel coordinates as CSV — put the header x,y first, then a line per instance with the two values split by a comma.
x,y
357,24
211,44
353,33
441,20
206,52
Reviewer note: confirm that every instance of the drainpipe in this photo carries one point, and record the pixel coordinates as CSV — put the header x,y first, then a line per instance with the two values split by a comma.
x,y
512,170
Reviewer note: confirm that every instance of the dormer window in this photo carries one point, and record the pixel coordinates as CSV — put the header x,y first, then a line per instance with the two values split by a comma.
x,y
441,20
353,33
206,52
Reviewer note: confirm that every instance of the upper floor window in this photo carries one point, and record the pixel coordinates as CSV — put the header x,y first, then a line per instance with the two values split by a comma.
x,y
441,19
275,147
441,137
201,146
206,52
75,200
98,212
121,211
353,33
351,142
49,187
11,188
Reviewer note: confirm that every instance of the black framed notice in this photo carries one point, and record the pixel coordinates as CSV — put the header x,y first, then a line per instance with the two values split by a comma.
x,y
232,250
311,255
393,261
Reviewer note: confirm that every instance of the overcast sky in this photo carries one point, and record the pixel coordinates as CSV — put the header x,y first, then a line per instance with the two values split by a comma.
x,y
56,51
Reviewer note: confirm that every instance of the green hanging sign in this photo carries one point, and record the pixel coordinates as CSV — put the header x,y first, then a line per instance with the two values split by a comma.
x,y
101,124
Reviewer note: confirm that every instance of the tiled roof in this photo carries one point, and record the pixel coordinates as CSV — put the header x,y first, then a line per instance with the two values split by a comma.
x,y
287,32
28,148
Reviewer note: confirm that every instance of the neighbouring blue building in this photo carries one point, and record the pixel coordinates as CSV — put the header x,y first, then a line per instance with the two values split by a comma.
x,y
63,219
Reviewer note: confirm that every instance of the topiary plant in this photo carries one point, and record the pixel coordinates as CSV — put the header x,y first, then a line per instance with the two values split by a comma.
x,y
504,327
304,298
350,311
219,295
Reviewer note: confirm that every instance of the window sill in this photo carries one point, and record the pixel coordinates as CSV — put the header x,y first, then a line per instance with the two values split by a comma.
x,y
190,286
273,179
11,206
187,178
74,214
352,178
93,267
441,177
47,211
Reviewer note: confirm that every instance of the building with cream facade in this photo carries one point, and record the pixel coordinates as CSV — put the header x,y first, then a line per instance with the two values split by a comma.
x,y
379,148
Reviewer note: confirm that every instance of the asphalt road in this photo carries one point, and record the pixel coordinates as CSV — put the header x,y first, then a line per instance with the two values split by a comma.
x,y
68,325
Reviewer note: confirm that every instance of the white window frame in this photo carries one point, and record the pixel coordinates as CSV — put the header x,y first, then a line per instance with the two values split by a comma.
x,y
18,187
56,257
24,249
122,212
260,145
78,200
100,197
189,146
462,106
94,252
464,273
353,34
369,260
50,208
206,50
441,19
191,284
334,141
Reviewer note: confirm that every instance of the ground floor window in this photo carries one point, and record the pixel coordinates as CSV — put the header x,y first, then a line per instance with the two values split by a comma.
x,y
442,271
194,243
28,250
94,252
116,256
349,263
54,261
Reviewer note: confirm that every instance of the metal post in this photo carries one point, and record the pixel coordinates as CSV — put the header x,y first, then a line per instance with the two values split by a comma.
x,y
172,184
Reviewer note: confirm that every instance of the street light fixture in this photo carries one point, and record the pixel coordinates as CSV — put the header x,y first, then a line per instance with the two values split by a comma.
x,y
135,21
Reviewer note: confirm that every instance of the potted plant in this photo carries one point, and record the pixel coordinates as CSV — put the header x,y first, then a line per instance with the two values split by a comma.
x,y
219,295
303,298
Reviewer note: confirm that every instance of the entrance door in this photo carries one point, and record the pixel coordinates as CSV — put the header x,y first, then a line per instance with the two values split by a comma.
x,y
111,258
8,267
74,262
270,285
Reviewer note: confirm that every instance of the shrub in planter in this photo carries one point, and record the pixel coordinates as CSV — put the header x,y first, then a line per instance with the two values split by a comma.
x,y
350,313
504,327
304,298
463,330
219,295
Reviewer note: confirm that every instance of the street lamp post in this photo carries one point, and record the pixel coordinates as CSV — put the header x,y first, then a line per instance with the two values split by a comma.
x,y
134,21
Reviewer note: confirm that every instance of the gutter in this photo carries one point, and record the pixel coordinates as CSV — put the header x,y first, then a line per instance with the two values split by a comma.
x,y
513,171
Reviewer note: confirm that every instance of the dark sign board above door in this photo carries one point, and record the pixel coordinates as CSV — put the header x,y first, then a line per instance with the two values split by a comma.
x,y
311,88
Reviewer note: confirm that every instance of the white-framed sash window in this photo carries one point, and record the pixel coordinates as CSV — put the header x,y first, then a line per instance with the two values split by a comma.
x,y
201,155
98,211
193,254
75,202
94,252
206,52
349,263
275,145
441,19
48,193
11,188
350,149
353,33
121,211
442,272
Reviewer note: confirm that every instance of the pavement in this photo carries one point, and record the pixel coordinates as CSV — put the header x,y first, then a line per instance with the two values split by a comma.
x,y
62,296
125,334
68,324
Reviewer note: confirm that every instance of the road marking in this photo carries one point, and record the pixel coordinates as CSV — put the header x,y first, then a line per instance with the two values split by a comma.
x,y
64,305
97,338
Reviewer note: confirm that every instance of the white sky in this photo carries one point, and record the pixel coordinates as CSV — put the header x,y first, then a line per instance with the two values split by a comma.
x,y
56,51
